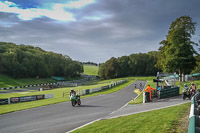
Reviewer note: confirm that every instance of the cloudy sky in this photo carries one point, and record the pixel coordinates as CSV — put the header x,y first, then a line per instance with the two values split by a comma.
x,y
93,30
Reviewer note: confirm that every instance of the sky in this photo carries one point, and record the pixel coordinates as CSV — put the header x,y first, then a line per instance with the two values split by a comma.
x,y
93,30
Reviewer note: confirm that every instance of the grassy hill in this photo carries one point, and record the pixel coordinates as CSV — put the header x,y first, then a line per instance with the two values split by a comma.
x,y
91,69
6,81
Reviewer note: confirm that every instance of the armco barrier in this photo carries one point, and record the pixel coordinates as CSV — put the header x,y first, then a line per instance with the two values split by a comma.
x,y
88,91
194,122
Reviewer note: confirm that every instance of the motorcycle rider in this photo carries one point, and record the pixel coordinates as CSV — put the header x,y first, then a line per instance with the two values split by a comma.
x,y
186,92
74,97
186,88
72,92
193,88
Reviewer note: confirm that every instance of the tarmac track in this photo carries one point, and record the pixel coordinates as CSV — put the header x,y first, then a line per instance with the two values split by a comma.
x,y
62,117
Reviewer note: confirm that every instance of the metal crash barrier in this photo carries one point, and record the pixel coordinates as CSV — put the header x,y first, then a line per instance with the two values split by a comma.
x,y
194,122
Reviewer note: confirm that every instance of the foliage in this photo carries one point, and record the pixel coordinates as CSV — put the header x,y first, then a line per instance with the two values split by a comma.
x,y
197,67
176,53
22,61
90,63
142,64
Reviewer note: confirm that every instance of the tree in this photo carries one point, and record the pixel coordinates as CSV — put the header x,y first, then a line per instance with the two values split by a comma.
x,y
123,66
142,64
23,61
177,53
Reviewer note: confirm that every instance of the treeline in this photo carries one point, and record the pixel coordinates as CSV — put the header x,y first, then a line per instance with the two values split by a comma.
x,y
176,54
89,63
142,64
24,61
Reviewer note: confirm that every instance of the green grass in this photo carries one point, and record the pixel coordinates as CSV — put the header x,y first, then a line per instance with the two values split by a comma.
x,y
158,121
58,95
6,81
91,69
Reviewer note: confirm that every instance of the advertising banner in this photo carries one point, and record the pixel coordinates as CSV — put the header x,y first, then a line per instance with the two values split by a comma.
x,y
27,98
3,101
49,96
39,97
14,100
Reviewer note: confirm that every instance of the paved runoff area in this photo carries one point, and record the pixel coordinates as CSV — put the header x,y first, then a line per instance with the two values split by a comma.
x,y
139,108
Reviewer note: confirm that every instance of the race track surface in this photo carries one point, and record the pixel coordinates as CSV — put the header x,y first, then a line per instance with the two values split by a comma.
x,y
62,117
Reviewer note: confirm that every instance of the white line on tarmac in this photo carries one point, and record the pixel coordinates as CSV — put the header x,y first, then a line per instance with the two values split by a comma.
x,y
83,125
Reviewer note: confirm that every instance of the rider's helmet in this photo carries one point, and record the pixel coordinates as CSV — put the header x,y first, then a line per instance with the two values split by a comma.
x,y
185,85
192,83
72,89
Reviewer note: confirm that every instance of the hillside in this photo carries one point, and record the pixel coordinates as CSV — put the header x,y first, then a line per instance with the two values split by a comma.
x,y
6,81
90,69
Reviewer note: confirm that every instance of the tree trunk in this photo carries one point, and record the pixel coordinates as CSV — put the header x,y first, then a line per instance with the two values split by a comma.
x,y
183,77
179,75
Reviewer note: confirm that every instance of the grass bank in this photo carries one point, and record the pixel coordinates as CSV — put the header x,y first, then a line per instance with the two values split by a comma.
x,y
158,121
6,81
90,69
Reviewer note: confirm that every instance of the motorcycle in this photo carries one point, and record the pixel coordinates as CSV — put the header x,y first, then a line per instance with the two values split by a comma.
x,y
75,99
186,93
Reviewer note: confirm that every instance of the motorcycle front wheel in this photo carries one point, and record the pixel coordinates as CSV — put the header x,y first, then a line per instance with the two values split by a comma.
x,y
73,103
184,97
79,102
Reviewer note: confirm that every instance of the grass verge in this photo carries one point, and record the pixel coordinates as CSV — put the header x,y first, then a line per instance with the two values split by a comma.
x,y
166,120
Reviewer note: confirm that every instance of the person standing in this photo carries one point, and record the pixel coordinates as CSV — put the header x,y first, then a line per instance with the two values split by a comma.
x,y
148,89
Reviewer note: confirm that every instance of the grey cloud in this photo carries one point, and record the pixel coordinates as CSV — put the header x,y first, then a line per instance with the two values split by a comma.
x,y
132,26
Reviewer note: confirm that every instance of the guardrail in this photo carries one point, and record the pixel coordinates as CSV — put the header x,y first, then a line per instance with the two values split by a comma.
x,y
88,91
194,122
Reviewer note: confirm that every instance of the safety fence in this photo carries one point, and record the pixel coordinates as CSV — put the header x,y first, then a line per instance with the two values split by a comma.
x,y
25,99
67,84
88,91
168,92
58,84
194,122
26,86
